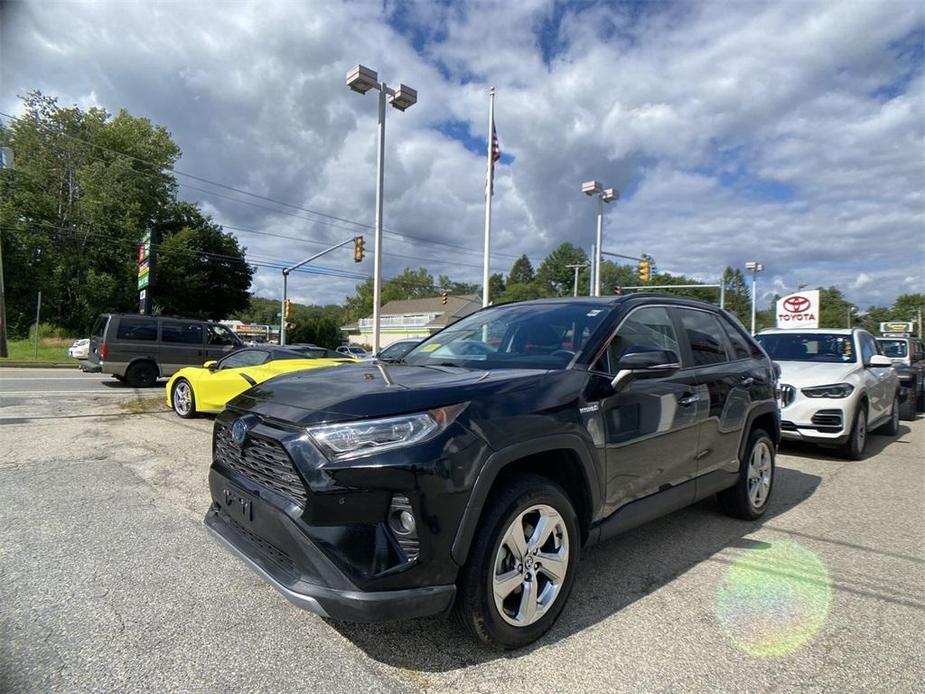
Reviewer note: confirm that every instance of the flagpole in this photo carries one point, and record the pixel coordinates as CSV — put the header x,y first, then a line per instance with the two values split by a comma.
x,y
491,123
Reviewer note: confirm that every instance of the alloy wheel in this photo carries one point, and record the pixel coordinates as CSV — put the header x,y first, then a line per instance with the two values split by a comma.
x,y
760,469
182,398
531,565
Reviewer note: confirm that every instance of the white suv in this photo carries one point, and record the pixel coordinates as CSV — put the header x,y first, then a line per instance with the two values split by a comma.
x,y
835,385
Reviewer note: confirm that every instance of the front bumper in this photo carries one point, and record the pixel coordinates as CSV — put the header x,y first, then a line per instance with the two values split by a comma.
x,y
817,420
301,571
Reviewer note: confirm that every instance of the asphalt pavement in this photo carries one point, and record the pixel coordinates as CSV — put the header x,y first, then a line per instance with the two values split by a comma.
x,y
16,382
108,580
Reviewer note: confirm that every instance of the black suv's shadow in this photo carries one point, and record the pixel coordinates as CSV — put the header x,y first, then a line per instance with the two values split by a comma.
x,y
610,576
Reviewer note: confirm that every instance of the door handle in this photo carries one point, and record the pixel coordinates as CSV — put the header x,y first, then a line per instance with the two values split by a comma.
x,y
688,400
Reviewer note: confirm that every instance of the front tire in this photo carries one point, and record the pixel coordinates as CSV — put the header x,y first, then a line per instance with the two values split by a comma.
x,y
748,499
183,399
521,565
857,439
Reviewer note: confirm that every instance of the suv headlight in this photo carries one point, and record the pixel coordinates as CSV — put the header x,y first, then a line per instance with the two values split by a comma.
x,y
368,436
836,390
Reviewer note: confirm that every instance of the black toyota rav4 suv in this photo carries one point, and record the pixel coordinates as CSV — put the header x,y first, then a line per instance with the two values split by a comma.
x,y
470,475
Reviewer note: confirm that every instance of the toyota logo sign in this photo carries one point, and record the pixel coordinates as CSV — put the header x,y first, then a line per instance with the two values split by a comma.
x,y
798,310
796,304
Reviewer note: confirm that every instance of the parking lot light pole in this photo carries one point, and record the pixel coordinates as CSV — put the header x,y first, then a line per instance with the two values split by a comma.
x,y
754,267
577,268
287,270
608,195
361,79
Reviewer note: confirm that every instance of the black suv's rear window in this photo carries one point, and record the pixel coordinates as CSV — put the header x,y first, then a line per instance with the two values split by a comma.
x,y
99,326
137,329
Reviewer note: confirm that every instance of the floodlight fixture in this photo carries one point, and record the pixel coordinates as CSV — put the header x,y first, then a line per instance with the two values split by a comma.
x,y
361,79
610,195
404,97
590,187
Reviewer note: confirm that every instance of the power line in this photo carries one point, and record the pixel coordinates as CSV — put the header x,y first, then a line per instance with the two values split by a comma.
x,y
391,232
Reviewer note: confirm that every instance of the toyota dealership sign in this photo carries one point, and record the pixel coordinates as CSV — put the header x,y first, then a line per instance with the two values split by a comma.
x,y
800,310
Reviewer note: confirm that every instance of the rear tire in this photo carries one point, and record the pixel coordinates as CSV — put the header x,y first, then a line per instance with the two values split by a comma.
x,y
857,439
516,570
749,498
141,374
891,428
920,400
907,409
183,399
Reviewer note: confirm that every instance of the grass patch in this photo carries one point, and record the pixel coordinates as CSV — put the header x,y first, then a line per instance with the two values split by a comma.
x,y
51,350
142,405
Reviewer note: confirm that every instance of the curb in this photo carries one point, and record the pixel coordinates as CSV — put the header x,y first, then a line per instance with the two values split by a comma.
x,y
37,364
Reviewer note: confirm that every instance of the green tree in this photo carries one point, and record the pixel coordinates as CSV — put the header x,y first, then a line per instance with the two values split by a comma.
x,y
458,288
408,284
554,272
738,296
85,188
495,286
521,271
201,271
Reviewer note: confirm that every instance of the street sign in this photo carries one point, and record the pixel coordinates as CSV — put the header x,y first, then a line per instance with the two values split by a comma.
x,y
798,311
896,326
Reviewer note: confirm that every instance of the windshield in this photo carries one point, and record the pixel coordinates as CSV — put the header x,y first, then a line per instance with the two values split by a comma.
x,y
897,349
518,336
818,347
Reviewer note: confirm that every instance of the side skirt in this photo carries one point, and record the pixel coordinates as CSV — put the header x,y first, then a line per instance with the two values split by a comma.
x,y
661,503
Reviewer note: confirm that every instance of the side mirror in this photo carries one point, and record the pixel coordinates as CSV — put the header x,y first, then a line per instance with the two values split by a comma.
x,y
654,364
210,365
878,361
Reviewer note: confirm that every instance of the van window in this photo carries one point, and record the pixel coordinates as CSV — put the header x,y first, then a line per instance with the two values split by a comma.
x,y
220,335
99,326
131,328
184,333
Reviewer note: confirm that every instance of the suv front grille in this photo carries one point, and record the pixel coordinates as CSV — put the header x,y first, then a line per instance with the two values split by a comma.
x,y
262,461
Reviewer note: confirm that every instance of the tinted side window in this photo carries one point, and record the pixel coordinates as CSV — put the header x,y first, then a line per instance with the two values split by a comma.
x,y
740,347
220,335
185,333
137,329
644,330
99,327
704,335
246,357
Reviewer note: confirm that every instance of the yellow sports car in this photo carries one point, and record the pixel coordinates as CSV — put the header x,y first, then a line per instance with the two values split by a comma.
x,y
209,387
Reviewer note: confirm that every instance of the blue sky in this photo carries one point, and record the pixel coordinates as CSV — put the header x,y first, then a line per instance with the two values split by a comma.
x,y
791,132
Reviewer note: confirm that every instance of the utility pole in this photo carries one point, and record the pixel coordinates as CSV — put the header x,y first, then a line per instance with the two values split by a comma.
x,y
6,162
577,268
38,319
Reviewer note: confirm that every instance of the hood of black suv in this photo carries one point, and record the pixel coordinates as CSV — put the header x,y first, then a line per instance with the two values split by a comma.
x,y
376,390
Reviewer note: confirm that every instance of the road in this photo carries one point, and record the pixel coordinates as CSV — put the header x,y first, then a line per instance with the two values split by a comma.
x,y
108,581
27,382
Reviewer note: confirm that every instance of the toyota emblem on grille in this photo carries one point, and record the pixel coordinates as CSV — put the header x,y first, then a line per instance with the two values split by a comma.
x,y
796,304
239,431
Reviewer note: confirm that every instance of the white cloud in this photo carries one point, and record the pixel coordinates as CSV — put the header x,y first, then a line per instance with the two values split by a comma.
x,y
788,132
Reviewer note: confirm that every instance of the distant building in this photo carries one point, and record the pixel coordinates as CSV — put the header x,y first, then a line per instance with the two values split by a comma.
x,y
412,318
253,331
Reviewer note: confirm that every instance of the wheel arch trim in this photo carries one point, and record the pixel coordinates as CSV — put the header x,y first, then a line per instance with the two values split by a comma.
x,y
499,460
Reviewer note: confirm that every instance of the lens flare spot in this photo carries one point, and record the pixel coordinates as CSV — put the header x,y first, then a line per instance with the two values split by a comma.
x,y
774,600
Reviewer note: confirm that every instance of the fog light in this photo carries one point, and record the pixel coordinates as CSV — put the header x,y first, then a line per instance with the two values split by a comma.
x,y
407,521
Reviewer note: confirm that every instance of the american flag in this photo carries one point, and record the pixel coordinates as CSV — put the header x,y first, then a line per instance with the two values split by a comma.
x,y
495,154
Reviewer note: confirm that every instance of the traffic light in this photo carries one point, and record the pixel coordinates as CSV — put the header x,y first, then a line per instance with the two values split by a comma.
x,y
645,269
287,312
359,249
618,290
443,297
